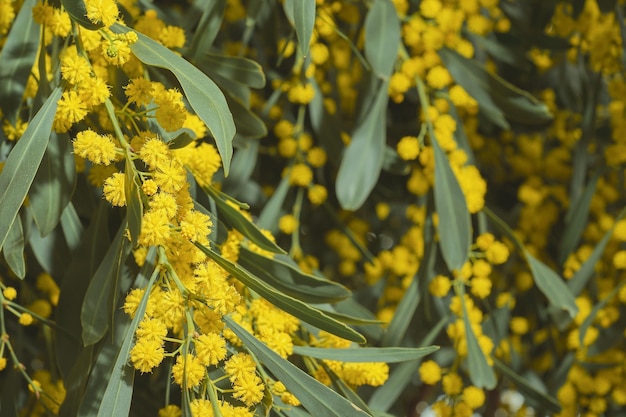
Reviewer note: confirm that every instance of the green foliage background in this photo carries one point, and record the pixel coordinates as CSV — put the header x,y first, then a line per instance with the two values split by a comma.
x,y
535,93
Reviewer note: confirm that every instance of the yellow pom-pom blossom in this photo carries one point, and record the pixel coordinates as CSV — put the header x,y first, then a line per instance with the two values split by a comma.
x,y
408,148
317,194
99,149
114,189
102,11
430,372
288,224
210,348
473,396
25,319
147,354
9,293
248,388
440,286
190,368
452,384
300,175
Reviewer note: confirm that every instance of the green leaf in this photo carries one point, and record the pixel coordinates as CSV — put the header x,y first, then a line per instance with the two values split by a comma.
x,y
527,389
78,12
268,219
235,68
248,124
84,263
301,14
480,373
134,203
209,26
242,167
21,166
17,57
234,218
594,311
54,183
587,269
385,396
288,278
182,139
363,158
72,227
13,249
551,285
203,95
94,315
388,355
576,220
497,99
382,37
291,305
314,396
119,390
403,315
455,225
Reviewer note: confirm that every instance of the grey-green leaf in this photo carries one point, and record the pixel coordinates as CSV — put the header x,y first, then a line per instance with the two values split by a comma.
x,y
455,226
94,315
268,219
134,203
119,391
54,183
527,389
301,13
239,69
234,218
551,285
207,29
314,396
13,249
498,100
289,304
282,275
203,95
480,373
382,37
17,57
363,158
388,355
21,166
576,220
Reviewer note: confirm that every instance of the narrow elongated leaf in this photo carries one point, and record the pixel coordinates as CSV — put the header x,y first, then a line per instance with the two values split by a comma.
x,y
119,390
78,12
184,138
594,311
72,227
209,26
403,316
94,315
586,270
54,183
527,389
268,219
21,166
234,218
289,279
314,396
239,69
388,355
363,158
248,124
498,100
480,373
551,285
13,249
301,13
455,226
134,202
382,37
17,57
203,95
576,220
289,304
385,396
